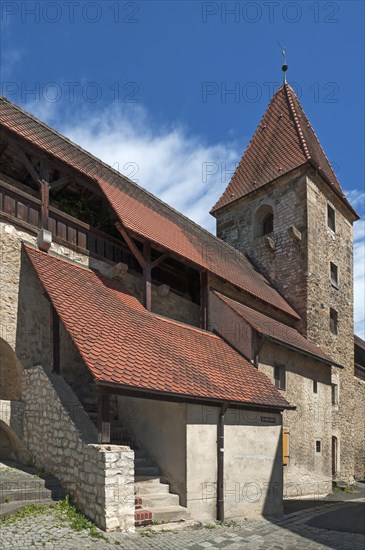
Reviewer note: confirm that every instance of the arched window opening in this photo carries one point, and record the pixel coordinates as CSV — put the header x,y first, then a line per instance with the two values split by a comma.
x,y
268,224
263,223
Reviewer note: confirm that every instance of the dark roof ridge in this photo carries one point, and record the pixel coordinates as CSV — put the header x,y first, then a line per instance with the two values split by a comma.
x,y
288,90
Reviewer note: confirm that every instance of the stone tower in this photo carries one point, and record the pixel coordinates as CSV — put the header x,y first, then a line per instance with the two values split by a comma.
x,y
285,208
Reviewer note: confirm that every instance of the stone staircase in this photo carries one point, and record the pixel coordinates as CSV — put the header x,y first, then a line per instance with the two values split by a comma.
x,y
22,485
153,499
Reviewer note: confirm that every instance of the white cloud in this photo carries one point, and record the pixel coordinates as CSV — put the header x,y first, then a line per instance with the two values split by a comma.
x,y
174,165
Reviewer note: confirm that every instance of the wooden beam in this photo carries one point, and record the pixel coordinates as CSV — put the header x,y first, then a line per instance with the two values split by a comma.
x,y
45,203
159,260
204,289
132,245
55,341
103,416
27,164
3,147
60,183
147,283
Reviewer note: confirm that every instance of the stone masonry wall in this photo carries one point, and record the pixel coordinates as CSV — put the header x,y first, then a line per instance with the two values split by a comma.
x,y
285,264
308,472
359,428
325,246
60,436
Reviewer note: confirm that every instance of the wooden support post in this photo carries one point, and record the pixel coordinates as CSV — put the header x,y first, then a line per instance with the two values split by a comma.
x,y
55,341
147,284
45,204
103,416
204,298
44,173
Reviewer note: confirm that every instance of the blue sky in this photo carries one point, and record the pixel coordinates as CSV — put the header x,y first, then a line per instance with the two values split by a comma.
x,y
171,92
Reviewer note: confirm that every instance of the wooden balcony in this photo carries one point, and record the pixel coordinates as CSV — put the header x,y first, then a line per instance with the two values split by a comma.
x,y
24,210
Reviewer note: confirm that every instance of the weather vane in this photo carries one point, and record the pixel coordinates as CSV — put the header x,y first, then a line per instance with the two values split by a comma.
x,y
284,68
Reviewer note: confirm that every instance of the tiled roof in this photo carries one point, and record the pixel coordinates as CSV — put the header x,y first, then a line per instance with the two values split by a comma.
x,y
276,330
147,216
122,343
284,140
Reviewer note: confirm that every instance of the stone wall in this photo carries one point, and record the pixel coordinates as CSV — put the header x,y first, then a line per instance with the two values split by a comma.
x,y
61,439
12,445
308,472
359,428
324,247
283,258
298,260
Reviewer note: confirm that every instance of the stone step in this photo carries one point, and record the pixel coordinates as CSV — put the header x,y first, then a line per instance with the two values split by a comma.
x,y
140,453
15,482
142,461
169,513
158,500
149,471
28,492
142,517
146,486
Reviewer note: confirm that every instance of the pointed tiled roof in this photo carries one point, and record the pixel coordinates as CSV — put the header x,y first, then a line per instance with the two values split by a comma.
x,y
276,331
283,141
144,214
122,343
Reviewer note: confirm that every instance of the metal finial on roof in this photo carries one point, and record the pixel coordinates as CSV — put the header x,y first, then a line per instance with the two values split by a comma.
x,y
284,67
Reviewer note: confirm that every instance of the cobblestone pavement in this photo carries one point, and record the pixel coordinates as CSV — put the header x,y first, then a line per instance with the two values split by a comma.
x,y
290,533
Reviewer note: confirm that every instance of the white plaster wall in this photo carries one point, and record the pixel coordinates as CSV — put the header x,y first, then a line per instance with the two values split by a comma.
x,y
232,327
252,463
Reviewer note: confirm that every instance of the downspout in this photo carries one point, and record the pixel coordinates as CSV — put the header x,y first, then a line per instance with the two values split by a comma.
x,y
220,462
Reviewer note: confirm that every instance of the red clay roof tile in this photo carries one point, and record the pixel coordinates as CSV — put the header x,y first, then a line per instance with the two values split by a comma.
x,y
284,140
275,330
121,342
147,216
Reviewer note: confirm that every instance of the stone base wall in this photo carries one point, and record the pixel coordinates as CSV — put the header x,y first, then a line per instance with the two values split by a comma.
x,y
59,435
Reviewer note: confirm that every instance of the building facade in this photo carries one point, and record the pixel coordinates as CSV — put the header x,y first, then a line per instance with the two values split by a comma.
x,y
136,346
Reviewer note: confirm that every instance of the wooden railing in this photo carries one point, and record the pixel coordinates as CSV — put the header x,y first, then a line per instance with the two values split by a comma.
x,y
23,209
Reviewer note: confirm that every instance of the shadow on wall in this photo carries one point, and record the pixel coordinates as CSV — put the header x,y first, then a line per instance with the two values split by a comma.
x,y
10,373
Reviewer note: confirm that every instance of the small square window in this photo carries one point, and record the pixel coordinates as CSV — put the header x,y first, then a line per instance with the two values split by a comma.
x,y
280,376
331,218
334,274
318,446
315,386
334,393
333,321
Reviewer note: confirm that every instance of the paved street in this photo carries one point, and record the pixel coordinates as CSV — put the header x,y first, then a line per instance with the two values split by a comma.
x,y
304,529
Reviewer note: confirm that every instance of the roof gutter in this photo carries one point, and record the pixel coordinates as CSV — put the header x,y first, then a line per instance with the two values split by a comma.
x,y
147,393
306,353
